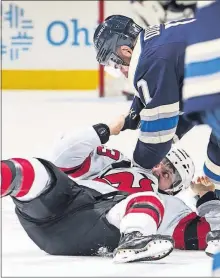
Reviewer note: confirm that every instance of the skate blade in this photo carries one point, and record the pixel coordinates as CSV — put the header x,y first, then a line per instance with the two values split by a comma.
x,y
212,248
154,250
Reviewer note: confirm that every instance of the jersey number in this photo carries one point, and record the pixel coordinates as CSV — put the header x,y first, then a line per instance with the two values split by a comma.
x,y
124,181
113,154
143,91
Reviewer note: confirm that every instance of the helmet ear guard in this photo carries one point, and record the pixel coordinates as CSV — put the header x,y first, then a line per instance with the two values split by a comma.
x,y
185,167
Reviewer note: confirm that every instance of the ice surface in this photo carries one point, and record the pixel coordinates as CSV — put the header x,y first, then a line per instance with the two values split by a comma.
x,y
30,123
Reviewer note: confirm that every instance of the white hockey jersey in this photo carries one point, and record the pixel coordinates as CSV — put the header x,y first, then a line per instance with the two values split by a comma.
x,y
83,157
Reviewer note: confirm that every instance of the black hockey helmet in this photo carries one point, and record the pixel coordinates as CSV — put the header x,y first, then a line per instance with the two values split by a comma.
x,y
115,31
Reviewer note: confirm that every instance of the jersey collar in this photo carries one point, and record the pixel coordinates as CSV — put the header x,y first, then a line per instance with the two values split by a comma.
x,y
134,62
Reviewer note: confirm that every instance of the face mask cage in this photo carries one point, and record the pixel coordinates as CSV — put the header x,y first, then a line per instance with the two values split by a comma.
x,y
113,65
115,61
107,55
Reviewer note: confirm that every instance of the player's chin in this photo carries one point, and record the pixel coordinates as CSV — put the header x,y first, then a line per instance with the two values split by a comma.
x,y
125,74
162,185
124,70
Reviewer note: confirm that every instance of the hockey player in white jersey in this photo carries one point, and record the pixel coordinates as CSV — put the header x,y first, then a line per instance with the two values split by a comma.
x,y
86,214
82,156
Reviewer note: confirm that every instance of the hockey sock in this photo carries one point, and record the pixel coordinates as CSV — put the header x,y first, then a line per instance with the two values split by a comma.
x,y
23,179
143,213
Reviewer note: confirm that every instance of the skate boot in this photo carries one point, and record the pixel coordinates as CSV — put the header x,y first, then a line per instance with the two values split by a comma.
x,y
213,241
135,247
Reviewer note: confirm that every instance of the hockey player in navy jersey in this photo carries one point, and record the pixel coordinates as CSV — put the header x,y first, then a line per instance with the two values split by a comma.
x,y
81,207
201,91
153,60
146,13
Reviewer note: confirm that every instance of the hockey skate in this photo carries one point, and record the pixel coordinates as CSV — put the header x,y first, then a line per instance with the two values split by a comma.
x,y
213,241
134,247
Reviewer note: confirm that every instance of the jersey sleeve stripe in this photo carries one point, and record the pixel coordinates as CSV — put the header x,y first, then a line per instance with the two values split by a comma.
x,y
162,115
159,125
161,111
203,68
202,4
211,175
212,171
204,85
156,140
212,166
158,133
201,51
176,23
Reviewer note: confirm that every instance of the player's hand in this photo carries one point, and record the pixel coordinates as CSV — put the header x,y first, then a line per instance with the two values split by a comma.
x,y
202,186
116,125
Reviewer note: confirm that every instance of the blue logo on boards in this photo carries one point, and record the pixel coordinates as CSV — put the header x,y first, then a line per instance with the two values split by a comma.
x,y
57,33
21,38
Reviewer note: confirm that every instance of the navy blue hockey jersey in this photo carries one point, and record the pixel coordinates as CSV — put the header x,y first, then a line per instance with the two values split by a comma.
x,y
201,90
202,70
157,72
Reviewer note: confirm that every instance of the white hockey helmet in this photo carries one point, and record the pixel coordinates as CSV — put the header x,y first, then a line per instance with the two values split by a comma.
x,y
183,166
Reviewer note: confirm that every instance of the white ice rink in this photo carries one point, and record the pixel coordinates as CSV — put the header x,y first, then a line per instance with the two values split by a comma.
x,y
30,123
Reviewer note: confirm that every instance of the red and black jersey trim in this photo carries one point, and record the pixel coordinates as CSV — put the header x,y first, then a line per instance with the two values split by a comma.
x,y
79,170
149,205
190,233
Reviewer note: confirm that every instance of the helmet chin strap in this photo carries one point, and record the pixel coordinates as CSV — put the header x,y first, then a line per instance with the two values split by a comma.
x,y
124,63
169,191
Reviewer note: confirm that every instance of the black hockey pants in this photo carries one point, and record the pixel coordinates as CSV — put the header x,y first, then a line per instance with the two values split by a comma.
x,y
69,219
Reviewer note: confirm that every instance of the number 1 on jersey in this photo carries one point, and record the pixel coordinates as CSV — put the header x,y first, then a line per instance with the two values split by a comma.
x,y
143,91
